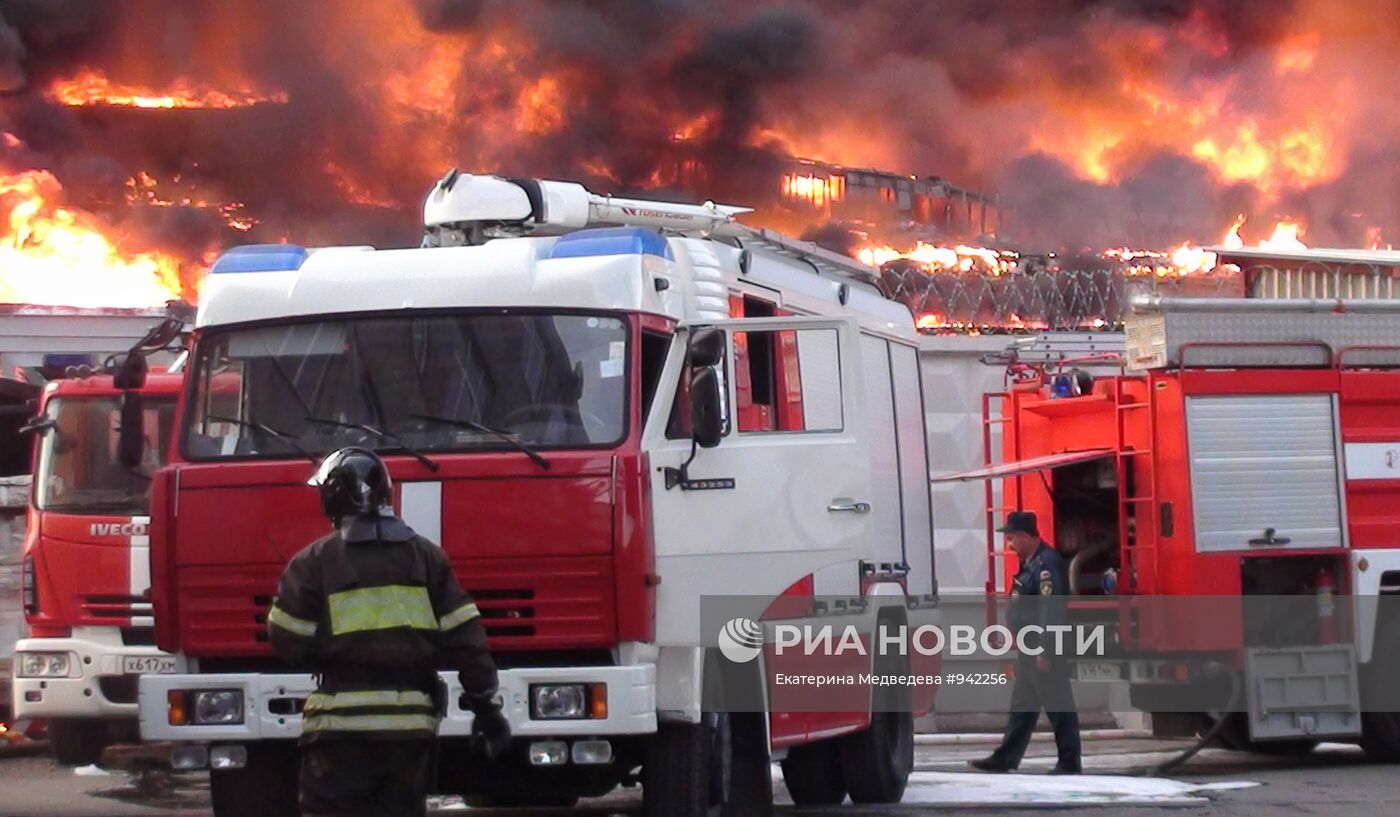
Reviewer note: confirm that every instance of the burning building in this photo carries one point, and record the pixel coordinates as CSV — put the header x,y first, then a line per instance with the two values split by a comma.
x,y
139,138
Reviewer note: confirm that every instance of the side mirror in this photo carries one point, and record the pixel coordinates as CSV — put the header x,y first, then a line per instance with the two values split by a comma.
x,y
706,408
131,436
706,348
131,372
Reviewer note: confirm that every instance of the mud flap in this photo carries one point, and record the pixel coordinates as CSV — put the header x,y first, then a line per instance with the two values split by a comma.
x,y
1303,692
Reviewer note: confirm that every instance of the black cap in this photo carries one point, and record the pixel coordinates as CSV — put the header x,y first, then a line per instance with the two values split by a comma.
x,y
1020,522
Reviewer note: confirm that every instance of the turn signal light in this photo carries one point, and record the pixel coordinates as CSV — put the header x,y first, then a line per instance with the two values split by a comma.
x,y
176,708
598,701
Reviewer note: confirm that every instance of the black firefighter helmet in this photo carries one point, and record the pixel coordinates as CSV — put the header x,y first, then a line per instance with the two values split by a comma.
x,y
353,482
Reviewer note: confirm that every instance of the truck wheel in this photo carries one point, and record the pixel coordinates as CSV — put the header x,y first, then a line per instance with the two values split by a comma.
x,y
266,787
716,768
812,773
1380,736
1380,730
750,767
77,741
876,762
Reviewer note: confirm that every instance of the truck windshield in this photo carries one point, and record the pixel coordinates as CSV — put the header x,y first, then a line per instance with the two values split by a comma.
x,y
78,470
547,381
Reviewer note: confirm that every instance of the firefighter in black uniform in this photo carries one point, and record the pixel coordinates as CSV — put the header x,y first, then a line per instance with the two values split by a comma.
x,y
1038,597
374,610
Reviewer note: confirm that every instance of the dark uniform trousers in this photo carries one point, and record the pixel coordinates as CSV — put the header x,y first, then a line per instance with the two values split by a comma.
x,y
374,609
1039,592
380,779
1033,691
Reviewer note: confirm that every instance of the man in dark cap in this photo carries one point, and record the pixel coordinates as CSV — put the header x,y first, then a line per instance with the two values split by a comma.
x,y
1038,595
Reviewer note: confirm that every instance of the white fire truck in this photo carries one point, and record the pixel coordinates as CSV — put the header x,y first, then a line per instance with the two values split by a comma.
x,y
1227,507
606,411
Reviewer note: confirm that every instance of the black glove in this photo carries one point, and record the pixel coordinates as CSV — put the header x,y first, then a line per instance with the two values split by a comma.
x,y
492,731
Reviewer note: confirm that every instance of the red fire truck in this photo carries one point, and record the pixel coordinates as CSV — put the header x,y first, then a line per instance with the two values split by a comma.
x,y
1227,508
603,426
86,569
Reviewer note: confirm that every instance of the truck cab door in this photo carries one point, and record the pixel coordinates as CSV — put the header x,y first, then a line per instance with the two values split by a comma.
x,y
786,492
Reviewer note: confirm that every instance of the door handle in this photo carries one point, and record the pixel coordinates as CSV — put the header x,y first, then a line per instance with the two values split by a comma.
x,y
848,506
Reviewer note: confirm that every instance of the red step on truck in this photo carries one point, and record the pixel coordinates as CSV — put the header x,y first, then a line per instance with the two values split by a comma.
x,y
86,565
607,412
1225,497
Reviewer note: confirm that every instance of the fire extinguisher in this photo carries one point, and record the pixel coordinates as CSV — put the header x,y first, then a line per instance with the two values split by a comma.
x,y
1326,608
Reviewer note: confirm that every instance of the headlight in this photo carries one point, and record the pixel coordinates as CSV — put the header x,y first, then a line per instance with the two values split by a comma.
x,y
218,706
558,701
43,664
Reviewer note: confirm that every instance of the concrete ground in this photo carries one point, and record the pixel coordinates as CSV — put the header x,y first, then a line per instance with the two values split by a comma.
x,y
1333,780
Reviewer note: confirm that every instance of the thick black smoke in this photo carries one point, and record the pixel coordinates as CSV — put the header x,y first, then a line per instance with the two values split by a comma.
x,y
686,96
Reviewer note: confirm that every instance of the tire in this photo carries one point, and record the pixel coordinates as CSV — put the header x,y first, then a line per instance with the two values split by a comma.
x,y
266,787
876,762
751,767
716,768
77,741
1380,730
1380,736
812,773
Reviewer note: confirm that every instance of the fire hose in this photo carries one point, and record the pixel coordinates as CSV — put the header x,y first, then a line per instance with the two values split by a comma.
x,y
1211,669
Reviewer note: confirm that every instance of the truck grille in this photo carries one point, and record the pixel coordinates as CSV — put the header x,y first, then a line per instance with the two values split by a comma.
x,y
546,603
536,604
223,610
110,607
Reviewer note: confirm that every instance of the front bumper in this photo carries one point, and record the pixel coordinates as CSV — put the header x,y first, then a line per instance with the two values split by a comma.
x,y
271,704
96,686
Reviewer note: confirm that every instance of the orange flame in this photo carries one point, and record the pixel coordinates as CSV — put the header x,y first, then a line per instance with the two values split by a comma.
x,y
56,255
815,190
1232,239
1189,260
961,258
1285,237
89,87
145,189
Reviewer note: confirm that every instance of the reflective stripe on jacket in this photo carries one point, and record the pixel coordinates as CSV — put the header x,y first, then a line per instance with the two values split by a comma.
x,y
375,619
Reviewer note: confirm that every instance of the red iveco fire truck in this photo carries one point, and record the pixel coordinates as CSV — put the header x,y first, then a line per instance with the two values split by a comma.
x,y
1227,506
603,426
86,569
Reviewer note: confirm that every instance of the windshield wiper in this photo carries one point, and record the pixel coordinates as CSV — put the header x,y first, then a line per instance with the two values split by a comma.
x,y
505,437
290,439
381,434
39,424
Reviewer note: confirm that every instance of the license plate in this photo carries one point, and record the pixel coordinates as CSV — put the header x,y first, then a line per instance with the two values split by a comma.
x,y
148,664
1098,671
